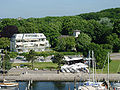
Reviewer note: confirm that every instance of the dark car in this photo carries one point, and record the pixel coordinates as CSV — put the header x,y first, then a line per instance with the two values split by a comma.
x,y
3,72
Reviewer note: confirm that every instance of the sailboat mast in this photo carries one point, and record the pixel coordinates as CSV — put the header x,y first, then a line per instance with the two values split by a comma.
x,y
95,71
89,65
108,70
93,64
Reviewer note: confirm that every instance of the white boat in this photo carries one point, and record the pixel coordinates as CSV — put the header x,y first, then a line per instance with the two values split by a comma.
x,y
7,83
116,86
65,68
94,85
75,68
86,88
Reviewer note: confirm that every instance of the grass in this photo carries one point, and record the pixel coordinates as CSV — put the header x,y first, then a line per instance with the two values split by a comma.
x,y
114,67
49,65
39,65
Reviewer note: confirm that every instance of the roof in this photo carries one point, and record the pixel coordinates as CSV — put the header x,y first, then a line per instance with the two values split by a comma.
x,y
72,58
29,36
76,30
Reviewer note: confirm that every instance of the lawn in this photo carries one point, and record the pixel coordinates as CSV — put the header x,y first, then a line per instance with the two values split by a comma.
x,y
49,65
114,67
39,65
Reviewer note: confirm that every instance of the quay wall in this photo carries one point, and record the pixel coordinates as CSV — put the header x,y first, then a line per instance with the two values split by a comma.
x,y
61,77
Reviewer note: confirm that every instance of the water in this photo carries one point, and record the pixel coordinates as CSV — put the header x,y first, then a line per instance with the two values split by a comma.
x,y
49,85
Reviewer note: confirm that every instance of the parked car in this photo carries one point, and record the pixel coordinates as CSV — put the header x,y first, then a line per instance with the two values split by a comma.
x,y
3,72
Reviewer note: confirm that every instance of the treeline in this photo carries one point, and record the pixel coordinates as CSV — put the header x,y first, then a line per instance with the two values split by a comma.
x,y
100,31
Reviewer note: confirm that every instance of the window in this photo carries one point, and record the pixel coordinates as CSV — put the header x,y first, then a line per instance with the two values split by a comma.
x,y
42,39
35,44
31,36
18,40
40,35
42,45
31,43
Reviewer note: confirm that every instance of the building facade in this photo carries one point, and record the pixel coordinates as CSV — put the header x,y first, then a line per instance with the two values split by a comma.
x,y
76,33
25,42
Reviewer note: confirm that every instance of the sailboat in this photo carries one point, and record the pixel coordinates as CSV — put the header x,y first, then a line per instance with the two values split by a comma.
x,y
95,85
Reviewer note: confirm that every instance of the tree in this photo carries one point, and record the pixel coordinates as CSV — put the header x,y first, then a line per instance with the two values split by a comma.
x,y
4,43
28,27
113,40
31,56
89,16
72,23
116,28
8,31
107,46
66,43
83,41
99,53
6,65
106,21
58,58
44,54
100,57
13,54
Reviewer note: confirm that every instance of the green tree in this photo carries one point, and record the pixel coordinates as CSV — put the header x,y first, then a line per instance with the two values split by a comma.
x,y
100,57
66,43
6,65
31,56
116,28
89,16
44,54
4,43
58,58
113,40
13,54
72,23
83,41
99,53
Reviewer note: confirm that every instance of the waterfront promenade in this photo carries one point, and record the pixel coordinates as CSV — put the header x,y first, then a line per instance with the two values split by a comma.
x,y
46,75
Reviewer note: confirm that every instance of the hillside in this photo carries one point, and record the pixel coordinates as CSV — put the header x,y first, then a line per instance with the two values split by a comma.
x,y
100,31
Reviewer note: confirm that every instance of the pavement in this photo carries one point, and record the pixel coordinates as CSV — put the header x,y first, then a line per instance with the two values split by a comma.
x,y
115,56
47,75
28,71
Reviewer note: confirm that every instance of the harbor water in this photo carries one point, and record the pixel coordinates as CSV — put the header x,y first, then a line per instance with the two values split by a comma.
x,y
45,86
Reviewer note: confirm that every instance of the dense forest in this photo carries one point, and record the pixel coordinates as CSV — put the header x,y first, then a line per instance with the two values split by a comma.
x,y
100,31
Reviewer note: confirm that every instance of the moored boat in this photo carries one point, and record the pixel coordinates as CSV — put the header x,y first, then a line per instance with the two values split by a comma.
x,y
116,86
7,83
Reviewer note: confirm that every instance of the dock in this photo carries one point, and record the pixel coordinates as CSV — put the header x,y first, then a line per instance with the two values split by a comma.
x,y
61,77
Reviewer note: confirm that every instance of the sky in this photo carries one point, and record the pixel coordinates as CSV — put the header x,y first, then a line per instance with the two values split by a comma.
x,y
43,8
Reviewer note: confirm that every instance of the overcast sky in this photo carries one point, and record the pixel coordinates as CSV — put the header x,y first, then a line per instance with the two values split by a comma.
x,y
42,8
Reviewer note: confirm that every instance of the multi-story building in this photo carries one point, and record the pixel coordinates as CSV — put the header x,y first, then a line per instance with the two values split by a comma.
x,y
25,42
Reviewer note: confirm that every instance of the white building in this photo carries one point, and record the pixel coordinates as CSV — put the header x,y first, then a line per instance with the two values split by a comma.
x,y
76,33
25,42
